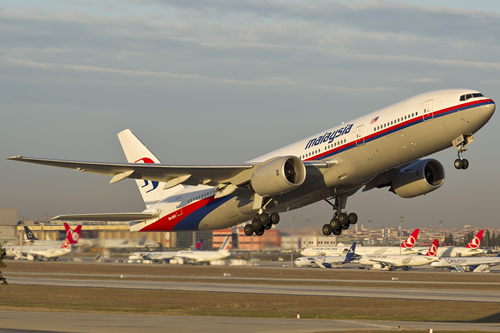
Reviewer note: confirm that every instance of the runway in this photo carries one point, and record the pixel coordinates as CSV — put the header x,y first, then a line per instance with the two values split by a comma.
x,y
34,322
274,289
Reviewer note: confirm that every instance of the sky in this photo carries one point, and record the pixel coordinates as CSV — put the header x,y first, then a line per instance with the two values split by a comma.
x,y
221,82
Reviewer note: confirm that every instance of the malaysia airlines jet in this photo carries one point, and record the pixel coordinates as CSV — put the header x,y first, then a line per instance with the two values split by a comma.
x,y
381,149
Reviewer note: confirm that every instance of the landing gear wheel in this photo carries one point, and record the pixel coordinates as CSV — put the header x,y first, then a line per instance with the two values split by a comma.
x,y
459,164
249,230
327,230
335,224
260,232
346,226
465,164
264,218
256,224
337,232
268,226
352,218
342,218
275,218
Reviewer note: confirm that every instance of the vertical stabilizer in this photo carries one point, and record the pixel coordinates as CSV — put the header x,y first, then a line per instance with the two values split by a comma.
x,y
350,254
474,243
225,245
137,152
433,249
72,236
409,243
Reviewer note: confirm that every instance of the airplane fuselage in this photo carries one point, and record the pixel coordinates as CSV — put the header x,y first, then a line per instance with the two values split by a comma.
x,y
361,149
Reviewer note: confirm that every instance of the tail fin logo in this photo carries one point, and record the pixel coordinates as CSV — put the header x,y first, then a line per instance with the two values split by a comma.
x,y
474,243
146,182
409,243
433,249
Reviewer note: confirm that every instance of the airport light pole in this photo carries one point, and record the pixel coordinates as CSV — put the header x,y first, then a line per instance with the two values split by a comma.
x,y
291,248
400,232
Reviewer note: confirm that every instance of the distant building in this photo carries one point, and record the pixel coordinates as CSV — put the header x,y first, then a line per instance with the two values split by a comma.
x,y
270,240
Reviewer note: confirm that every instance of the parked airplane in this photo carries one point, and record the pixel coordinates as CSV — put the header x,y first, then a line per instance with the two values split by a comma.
x,y
476,264
160,255
205,256
381,149
471,249
32,252
405,248
402,261
326,261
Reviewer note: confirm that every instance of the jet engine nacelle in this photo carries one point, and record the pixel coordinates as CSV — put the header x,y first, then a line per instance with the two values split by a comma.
x,y
377,266
418,178
281,175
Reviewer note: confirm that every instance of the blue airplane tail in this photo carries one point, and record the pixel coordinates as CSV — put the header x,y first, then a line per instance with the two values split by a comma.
x,y
29,234
350,254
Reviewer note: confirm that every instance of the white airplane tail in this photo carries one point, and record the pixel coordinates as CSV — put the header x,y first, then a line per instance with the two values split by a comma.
x,y
137,152
225,245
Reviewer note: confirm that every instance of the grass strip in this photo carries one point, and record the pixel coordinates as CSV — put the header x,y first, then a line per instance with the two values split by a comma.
x,y
42,298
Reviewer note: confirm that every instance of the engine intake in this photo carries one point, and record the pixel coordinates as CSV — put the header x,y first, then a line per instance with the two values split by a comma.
x,y
420,177
278,176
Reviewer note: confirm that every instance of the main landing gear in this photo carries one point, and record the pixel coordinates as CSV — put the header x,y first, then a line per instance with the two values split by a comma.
x,y
263,221
340,221
461,142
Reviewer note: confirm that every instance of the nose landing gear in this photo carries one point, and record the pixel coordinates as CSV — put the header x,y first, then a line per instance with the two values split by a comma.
x,y
460,143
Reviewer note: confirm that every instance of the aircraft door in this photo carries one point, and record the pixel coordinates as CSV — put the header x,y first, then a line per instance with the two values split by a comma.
x,y
360,138
427,110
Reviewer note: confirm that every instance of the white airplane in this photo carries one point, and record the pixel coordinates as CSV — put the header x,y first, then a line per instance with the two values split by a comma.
x,y
326,261
471,249
381,149
405,248
476,264
400,261
32,252
159,255
205,256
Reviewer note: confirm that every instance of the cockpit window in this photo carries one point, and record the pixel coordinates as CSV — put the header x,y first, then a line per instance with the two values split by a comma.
x,y
466,97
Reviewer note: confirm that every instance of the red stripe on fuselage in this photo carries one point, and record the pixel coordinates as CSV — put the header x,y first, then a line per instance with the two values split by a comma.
x,y
168,222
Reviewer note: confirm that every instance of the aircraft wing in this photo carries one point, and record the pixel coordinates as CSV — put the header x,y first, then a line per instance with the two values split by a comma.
x,y
172,175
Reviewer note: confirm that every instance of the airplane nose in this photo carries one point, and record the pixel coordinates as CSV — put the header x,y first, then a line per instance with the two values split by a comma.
x,y
489,110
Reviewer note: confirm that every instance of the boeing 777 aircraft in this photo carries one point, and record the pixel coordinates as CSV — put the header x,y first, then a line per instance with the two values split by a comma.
x,y
381,149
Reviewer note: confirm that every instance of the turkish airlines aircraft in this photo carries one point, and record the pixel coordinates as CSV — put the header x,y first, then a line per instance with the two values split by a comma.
x,y
31,252
403,261
471,249
405,248
381,149
476,264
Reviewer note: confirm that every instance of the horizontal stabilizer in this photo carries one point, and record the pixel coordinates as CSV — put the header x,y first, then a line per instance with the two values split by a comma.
x,y
108,217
